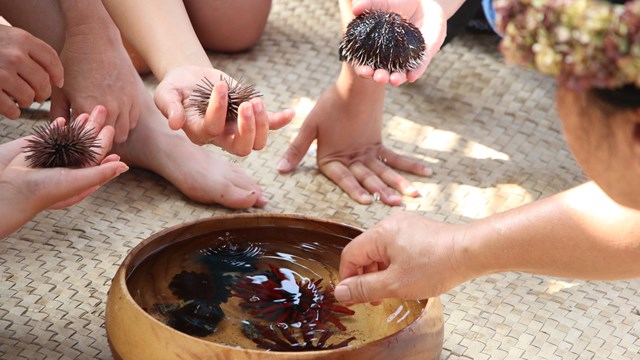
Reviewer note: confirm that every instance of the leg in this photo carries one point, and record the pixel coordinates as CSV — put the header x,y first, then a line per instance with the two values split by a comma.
x,y
43,19
228,26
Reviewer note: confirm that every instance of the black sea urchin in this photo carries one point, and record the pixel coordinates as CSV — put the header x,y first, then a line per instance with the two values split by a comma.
x,y
70,145
237,94
382,40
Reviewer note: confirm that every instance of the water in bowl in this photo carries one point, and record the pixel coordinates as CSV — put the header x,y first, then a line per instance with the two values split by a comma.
x,y
261,288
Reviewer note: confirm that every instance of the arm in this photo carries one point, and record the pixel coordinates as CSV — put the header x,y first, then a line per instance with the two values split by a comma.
x,y
161,31
580,233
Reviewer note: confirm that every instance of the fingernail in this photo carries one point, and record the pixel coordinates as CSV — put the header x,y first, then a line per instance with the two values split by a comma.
x,y
394,197
61,83
366,198
248,111
264,199
427,171
282,165
342,294
259,107
122,168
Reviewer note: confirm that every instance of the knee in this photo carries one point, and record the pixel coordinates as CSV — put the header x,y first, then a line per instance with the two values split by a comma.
x,y
229,26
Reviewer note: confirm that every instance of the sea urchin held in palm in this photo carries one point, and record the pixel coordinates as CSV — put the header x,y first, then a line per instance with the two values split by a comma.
x,y
237,94
69,145
382,40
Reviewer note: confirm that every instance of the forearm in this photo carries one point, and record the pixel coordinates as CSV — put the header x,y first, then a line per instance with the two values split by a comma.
x,y
580,233
449,7
160,31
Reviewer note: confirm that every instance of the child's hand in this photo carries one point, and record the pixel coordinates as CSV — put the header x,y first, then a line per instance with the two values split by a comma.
x,y
428,15
25,191
254,121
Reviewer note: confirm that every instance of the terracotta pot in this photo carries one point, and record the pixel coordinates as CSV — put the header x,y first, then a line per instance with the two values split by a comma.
x,y
134,334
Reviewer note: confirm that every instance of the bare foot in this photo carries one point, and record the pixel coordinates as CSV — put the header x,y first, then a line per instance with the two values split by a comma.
x,y
196,172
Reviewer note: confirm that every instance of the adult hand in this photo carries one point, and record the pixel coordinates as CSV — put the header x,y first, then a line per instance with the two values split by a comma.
x,y
428,15
25,191
98,71
350,150
405,256
28,67
254,121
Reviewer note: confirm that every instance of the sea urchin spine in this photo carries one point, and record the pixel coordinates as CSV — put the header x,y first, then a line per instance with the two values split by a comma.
x,y
70,145
237,94
382,40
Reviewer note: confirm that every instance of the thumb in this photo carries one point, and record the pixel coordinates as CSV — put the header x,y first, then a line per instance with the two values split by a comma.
x,y
363,288
296,151
60,106
170,104
69,183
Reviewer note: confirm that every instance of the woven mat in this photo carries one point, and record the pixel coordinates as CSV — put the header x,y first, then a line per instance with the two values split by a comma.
x,y
489,131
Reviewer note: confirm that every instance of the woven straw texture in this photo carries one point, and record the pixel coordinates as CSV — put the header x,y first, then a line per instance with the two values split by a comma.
x,y
490,132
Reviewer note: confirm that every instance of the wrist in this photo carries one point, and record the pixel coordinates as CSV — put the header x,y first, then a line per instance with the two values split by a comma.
x,y
447,7
350,84
13,209
474,249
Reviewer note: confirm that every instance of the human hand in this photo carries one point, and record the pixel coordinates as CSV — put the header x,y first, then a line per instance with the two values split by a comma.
x,y
26,191
253,125
98,71
28,67
350,150
404,256
428,15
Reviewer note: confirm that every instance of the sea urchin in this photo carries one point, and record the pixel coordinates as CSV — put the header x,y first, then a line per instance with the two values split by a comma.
x,y
276,296
237,94
382,40
69,145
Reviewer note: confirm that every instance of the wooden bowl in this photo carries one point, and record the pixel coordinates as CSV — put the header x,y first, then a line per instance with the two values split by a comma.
x,y
134,334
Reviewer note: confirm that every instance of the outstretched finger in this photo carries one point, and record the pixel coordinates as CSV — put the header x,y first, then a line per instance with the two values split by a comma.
x,y
374,184
244,137
391,177
279,119
261,125
340,174
404,163
215,118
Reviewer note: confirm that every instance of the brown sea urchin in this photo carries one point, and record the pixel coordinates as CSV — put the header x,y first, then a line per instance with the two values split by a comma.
x,y
70,145
237,94
382,40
